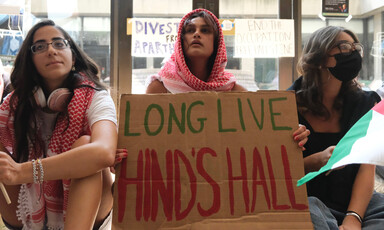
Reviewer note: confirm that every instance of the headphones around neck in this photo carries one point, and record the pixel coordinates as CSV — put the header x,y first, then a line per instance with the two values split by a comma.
x,y
57,100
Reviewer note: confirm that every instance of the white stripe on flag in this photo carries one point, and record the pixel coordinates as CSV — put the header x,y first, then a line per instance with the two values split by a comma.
x,y
370,148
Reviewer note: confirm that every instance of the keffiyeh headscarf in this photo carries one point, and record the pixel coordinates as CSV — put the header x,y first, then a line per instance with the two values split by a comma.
x,y
176,76
38,208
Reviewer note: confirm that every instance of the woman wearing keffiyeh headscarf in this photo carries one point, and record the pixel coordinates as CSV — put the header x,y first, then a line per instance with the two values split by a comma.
x,y
199,60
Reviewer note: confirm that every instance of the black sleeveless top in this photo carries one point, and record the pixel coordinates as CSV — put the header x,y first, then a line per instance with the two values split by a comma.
x,y
335,190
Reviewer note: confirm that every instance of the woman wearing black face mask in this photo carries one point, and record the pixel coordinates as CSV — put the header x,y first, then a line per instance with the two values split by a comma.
x,y
329,102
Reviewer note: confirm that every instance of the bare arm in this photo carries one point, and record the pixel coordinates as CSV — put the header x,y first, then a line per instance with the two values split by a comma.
x,y
156,87
75,163
361,195
238,88
317,160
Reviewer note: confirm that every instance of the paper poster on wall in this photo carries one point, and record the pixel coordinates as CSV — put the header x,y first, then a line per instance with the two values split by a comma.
x,y
264,38
210,160
154,37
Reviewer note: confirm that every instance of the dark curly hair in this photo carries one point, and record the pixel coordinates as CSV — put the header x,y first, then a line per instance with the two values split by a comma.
x,y
314,56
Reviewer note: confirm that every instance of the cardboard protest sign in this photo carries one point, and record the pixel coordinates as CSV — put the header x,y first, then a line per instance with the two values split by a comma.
x,y
210,161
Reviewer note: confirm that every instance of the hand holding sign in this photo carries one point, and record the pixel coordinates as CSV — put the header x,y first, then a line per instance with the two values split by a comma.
x,y
209,156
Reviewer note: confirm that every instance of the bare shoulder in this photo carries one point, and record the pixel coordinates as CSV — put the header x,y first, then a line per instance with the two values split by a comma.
x,y
156,87
239,88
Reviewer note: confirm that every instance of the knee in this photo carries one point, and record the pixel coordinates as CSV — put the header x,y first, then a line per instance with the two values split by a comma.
x,y
83,140
312,200
315,204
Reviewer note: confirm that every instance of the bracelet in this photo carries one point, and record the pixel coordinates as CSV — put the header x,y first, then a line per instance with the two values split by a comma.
x,y
41,180
355,214
40,163
34,172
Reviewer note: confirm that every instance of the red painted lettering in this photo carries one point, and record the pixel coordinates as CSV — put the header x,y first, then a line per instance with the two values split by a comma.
x,y
273,183
243,177
159,188
258,168
215,187
288,181
122,188
192,179
147,186
168,183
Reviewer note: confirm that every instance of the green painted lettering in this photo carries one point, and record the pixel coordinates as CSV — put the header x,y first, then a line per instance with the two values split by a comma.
x,y
201,120
127,119
241,118
261,123
172,116
274,127
219,119
161,113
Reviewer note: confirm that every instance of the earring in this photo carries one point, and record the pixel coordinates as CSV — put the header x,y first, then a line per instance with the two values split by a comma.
x,y
329,75
73,68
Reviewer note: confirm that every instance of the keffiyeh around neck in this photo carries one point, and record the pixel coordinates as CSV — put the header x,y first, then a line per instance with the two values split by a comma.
x,y
48,210
176,76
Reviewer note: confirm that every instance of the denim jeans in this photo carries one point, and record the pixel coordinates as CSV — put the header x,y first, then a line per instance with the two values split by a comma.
x,y
324,218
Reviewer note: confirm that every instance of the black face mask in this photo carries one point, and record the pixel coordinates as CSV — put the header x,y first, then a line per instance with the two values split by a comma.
x,y
347,66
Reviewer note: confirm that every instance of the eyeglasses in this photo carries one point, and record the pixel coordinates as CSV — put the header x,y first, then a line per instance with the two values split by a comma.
x,y
40,47
346,48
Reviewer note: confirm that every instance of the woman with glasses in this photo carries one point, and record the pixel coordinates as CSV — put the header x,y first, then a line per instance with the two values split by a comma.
x,y
330,101
58,137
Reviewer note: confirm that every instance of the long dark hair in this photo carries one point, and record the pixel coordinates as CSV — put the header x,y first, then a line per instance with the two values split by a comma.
x,y
211,23
25,78
314,56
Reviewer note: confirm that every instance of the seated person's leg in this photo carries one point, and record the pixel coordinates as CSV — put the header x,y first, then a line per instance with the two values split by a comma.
x,y
379,179
380,171
322,218
106,200
86,195
374,215
8,211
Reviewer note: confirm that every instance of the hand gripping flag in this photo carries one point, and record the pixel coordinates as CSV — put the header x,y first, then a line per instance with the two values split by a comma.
x,y
362,144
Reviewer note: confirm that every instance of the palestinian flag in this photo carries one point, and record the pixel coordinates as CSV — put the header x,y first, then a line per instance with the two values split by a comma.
x,y
362,144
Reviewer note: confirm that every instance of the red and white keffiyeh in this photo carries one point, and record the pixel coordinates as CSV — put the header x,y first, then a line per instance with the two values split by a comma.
x,y
176,76
34,210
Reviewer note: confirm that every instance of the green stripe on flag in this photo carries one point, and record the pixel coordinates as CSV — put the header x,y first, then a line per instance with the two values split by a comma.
x,y
343,148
